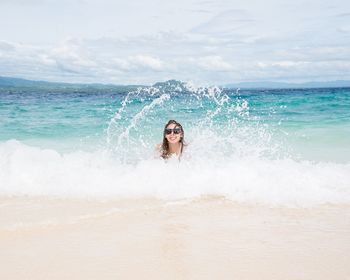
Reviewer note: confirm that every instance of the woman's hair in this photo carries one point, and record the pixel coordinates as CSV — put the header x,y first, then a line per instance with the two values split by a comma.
x,y
165,145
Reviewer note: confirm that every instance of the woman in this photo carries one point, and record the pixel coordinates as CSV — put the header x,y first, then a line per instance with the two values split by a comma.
x,y
173,140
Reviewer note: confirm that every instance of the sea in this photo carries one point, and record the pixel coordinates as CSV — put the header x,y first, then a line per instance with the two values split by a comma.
x,y
277,147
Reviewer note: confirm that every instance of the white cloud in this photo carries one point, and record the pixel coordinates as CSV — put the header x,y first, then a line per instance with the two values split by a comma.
x,y
72,52
147,62
213,63
138,63
6,47
144,42
282,64
344,29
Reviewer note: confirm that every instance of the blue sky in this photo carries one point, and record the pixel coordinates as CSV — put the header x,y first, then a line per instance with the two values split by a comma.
x,y
207,42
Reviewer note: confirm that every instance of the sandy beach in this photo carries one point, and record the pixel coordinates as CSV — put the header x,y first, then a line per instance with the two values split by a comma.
x,y
207,238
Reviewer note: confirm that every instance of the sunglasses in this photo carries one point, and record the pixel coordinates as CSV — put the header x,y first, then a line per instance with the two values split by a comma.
x,y
168,131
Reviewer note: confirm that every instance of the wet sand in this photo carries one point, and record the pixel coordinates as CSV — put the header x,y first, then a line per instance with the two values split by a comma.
x,y
207,238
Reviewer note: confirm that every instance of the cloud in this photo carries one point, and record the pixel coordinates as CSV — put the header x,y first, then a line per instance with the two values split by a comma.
x,y
344,29
76,60
7,47
225,22
210,41
171,55
139,63
213,63
343,15
282,64
22,2
36,2
147,62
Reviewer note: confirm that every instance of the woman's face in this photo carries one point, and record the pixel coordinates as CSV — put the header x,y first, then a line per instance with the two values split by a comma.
x,y
171,136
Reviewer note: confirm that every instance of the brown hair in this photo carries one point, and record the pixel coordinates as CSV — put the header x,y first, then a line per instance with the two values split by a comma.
x,y
165,145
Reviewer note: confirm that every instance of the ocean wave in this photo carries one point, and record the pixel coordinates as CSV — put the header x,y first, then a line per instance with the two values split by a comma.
x,y
33,171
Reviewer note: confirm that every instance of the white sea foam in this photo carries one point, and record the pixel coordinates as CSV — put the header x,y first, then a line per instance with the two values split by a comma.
x,y
28,170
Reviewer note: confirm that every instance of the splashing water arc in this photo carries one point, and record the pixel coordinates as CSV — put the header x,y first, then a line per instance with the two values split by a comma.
x,y
209,114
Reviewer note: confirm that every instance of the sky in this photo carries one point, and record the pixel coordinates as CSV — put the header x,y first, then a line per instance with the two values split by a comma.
x,y
147,41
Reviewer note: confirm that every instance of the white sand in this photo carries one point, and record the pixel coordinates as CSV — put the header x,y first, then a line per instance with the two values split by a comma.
x,y
209,238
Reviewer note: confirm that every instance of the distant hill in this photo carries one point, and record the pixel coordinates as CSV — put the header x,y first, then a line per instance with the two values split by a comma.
x,y
13,82
17,84
252,85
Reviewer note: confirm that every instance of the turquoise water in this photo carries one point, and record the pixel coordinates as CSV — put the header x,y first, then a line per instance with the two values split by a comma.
x,y
310,123
110,133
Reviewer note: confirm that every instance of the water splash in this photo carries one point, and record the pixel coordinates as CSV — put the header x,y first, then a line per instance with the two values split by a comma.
x,y
217,123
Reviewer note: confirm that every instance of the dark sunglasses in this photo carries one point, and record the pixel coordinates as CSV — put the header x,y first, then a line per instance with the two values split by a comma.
x,y
168,131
